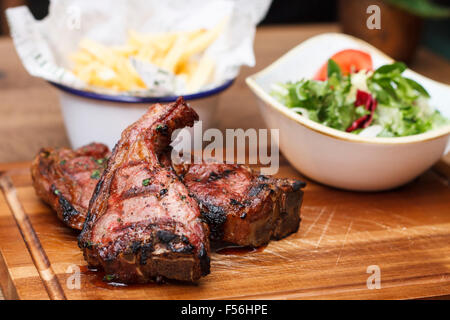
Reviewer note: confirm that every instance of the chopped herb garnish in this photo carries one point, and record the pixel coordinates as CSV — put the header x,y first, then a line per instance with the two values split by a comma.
x,y
63,162
109,277
119,220
183,197
95,174
57,192
159,127
145,182
100,161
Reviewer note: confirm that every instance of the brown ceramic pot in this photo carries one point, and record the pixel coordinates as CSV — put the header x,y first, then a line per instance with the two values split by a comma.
x,y
398,36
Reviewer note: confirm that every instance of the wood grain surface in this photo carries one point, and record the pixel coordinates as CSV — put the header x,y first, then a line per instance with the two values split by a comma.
x,y
40,259
405,232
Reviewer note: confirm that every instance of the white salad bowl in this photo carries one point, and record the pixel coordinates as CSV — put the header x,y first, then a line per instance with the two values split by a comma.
x,y
337,158
91,116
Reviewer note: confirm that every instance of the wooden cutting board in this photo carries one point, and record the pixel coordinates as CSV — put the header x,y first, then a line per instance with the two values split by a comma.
x,y
405,233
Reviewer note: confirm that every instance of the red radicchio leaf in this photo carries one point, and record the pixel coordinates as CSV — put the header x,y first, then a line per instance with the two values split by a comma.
x,y
364,99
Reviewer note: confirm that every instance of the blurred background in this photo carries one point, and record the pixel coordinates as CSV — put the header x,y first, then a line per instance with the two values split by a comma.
x,y
415,22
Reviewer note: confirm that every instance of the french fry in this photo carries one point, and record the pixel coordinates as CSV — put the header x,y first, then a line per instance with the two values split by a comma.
x,y
204,40
173,56
181,53
186,67
201,75
126,50
81,57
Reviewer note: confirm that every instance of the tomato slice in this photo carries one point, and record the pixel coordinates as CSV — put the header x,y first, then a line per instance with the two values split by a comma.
x,y
349,60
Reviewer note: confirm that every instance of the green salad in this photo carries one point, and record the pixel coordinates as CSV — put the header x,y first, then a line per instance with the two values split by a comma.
x,y
380,103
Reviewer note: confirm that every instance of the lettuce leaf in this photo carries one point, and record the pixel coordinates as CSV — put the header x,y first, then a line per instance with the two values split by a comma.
x,y
403,107
403,103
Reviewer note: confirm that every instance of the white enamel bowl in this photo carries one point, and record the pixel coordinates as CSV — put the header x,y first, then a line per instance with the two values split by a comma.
x,y
90,116
337,158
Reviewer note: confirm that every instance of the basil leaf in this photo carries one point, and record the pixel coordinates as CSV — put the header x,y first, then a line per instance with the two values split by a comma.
x,y
417,87
397,67
334,69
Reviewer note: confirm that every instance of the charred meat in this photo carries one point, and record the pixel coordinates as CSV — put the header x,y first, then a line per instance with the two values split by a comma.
x,y
244,208
142,222
144,218
239,206
65,179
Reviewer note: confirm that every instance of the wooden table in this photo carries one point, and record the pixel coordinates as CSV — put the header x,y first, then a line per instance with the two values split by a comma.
x,y
30,116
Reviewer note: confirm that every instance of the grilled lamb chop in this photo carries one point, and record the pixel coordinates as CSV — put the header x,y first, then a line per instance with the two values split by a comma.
x,y
142,223
224,192
241,207
65,179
